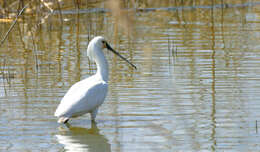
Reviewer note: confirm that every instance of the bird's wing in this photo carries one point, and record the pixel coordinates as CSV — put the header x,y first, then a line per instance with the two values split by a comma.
x,y
81,98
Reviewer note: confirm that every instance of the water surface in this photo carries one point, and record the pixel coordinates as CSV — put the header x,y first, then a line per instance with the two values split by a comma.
x,y
196,87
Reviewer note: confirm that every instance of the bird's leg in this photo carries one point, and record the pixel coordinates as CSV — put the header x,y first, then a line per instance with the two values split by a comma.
x,y
93,125
94,114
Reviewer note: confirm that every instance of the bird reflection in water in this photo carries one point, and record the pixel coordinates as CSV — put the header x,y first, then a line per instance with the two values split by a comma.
x,y
83,139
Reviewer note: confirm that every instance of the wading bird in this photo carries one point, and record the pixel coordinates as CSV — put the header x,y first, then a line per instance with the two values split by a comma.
x,y
87,95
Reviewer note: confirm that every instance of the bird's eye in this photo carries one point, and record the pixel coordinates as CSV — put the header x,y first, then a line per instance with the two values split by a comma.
x,y
103,42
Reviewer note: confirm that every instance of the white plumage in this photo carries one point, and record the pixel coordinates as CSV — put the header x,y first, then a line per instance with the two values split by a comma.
x,y
87,95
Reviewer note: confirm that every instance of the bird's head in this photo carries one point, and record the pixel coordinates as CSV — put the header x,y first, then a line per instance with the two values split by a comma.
x,y
97,44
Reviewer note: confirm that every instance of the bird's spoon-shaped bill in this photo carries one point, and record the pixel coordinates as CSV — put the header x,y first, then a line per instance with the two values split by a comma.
x,y
112,50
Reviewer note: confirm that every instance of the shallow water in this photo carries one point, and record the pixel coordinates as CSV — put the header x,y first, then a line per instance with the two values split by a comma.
x,y
196,87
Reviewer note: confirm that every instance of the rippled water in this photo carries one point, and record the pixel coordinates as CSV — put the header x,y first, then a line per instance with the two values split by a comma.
x,y
196,87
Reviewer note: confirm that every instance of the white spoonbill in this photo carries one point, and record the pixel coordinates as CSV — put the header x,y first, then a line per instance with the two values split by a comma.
x,y
87,95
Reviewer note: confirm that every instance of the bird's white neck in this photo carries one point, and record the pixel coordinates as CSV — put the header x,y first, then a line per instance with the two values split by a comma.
x,y
102,67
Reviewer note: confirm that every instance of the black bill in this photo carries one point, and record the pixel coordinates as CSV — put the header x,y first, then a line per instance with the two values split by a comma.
x,y
110,48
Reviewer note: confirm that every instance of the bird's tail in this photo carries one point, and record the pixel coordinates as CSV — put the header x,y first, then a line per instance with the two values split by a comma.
x,y
63,120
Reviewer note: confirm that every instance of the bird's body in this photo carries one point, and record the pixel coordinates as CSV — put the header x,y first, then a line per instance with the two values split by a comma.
x,y
87,95
82,98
